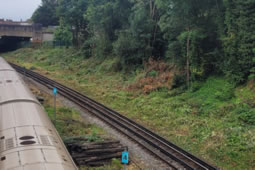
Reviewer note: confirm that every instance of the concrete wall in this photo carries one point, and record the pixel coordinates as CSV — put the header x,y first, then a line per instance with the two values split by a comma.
x,y
47,36
29,30
17,31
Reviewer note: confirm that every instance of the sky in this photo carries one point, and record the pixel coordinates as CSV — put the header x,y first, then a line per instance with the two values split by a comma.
x,y
18,9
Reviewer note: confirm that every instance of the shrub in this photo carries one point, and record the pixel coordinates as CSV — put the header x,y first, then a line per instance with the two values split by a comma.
x,y
178,80
195,86
246,114
153,73
63,35
128,49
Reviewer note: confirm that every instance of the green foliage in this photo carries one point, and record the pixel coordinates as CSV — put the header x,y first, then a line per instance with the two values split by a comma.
x,y
126,48
194,21
63,34
201,37
87,48
45,14
239,40
212,93
178,81
210,120
153,73
196,38
216,88
71,11
246,114
105,18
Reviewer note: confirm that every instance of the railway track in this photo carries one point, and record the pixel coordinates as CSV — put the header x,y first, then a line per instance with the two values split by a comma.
x,y
172,155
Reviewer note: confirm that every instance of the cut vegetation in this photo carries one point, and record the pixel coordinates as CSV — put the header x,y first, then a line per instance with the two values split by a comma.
x,y
214,120
75,131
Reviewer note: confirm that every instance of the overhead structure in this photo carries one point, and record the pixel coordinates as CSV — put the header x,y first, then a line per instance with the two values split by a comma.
x,y
36,32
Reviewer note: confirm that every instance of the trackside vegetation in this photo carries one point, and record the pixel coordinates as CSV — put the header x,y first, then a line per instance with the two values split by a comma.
x,y
214,119
69,123
183,68
201,37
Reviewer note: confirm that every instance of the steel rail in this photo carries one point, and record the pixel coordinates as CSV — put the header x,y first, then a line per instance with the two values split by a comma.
x,y
186,159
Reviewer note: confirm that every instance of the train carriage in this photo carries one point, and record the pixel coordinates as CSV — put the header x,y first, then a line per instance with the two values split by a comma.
x,y
28,139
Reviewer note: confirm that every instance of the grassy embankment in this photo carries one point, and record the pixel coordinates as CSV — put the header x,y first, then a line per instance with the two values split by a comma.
x,y
214,120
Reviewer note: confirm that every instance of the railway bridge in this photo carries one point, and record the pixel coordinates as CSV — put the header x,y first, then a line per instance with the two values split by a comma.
x,y
21,29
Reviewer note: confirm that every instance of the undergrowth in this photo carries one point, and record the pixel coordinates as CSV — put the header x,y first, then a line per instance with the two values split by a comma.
x,y
213,119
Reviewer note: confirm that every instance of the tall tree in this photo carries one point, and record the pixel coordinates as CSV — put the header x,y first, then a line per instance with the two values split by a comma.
x,y
239,41
72,12
106,18
143,34
45,14
190,29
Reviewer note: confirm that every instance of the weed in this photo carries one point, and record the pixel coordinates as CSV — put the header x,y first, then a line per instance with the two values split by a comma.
x,y
246,114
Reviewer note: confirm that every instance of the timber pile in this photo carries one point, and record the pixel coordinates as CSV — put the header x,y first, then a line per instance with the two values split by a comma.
x,y
93,153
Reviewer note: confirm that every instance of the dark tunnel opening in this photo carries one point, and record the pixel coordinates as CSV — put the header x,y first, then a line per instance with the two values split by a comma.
x,y
12,43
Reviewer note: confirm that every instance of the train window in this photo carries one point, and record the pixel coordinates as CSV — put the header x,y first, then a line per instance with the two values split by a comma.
x,y
26,137
8,81
2,138
28,142
3,158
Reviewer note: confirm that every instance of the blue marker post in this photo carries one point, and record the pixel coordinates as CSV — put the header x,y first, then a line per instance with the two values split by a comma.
x,y
124,158
55,91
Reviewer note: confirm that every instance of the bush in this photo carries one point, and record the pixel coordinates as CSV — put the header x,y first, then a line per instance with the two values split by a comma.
x,y
178,81
153,73
246,114
87,48
127,48
63,35
216,89
195,86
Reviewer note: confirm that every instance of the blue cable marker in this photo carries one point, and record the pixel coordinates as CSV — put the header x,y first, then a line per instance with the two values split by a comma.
x,y
55,91
124,158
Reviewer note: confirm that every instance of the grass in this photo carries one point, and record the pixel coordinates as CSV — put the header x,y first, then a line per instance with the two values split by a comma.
x,y
69,123
214,120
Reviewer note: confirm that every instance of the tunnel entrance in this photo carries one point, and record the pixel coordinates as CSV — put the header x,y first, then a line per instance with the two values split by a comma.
x,y
12,43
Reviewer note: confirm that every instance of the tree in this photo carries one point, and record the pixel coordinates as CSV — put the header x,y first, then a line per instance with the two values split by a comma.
x,y
191,31
142,34
45,14
72,13
239,41
105,20
63,35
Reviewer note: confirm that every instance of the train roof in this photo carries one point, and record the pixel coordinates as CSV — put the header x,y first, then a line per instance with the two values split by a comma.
x,y
4,66
13,88
28,139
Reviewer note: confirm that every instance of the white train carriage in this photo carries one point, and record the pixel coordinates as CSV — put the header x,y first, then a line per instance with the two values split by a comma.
x,y
28,139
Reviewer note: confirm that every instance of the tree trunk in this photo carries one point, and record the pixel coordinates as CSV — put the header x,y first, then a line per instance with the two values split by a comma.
x,y
150,7
188,60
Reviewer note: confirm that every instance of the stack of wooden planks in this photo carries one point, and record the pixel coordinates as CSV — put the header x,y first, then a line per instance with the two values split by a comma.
x,y
94,153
